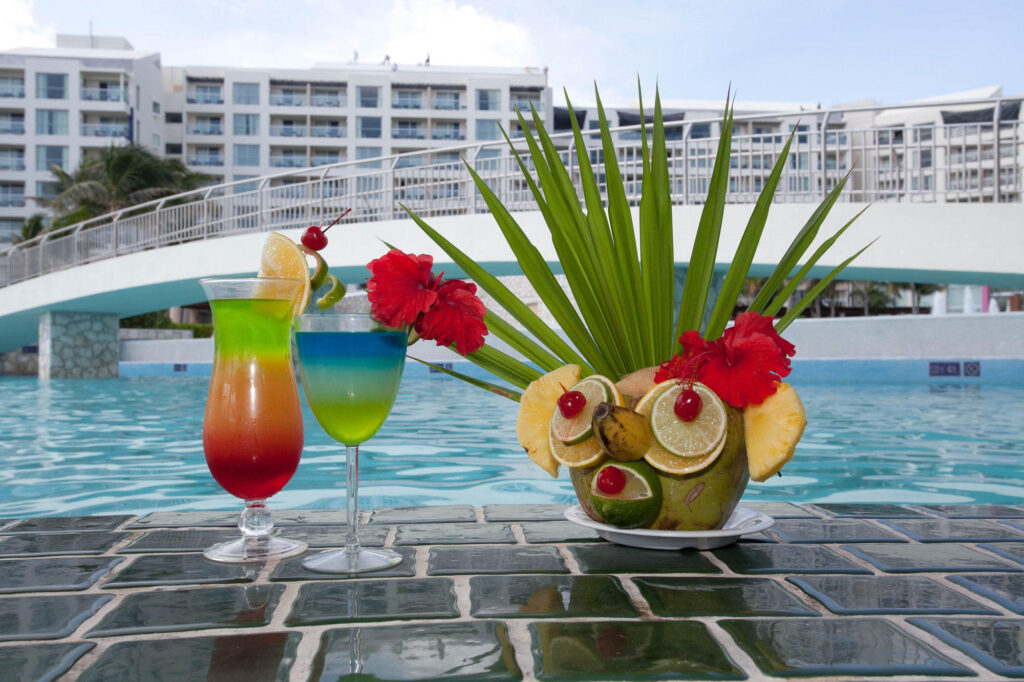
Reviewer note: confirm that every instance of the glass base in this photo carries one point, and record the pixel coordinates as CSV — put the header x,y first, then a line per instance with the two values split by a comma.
x,y
360,561
262,548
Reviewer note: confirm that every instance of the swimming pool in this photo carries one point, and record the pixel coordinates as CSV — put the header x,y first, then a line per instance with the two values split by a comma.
x,y
134,445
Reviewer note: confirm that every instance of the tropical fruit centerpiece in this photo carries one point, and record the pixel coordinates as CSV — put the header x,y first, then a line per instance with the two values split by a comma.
x,y
659,408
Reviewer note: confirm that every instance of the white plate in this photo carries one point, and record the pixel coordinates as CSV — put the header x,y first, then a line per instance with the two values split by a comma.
x,y
742,522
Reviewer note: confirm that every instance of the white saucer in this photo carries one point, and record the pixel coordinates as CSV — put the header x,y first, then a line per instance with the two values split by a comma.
x,y
742,522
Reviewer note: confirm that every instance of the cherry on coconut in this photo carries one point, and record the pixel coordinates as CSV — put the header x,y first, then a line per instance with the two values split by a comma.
x,y
611,480
688,405
571,403
314,238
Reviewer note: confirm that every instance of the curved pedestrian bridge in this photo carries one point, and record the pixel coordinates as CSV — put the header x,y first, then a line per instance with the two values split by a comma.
x,y
954,218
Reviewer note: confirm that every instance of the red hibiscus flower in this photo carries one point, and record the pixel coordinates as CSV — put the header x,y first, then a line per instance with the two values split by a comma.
x,y
457,318
401,287
686,364
743,367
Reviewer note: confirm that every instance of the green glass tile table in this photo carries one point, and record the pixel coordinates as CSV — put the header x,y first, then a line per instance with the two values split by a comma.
x,y
516,592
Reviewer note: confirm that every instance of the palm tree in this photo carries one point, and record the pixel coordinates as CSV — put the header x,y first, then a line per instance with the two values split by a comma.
x,y
117,178
917,290
32,227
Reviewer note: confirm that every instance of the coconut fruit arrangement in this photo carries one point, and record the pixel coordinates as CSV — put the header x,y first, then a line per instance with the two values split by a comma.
x,y
660,405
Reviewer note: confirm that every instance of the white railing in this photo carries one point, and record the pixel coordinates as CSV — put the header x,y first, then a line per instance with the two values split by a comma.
x,y
977,162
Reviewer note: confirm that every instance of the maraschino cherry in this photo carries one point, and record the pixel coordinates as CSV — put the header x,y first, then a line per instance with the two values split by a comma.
x,y
314,237
611,480
688,405
571,403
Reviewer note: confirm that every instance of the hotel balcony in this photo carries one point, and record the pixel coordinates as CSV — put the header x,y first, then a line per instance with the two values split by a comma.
x,y
104,130
325,158
102,94
287,100
12,91
206,161
287,131
327,100
204,98
288,161
12,199
447,135
12,128
14,163
206,130
327,131
408,133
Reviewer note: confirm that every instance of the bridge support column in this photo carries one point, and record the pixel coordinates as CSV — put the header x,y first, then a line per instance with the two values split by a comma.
x,y
78,345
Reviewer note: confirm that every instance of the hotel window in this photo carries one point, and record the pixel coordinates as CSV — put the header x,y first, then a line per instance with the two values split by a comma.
x,y
46,189
700,131
487,130
247,155
368,96
51,86
172,148
246,93
156,107
47,155
206,94
446,100
12,159
173,117
368,153
368,126
12,86
51,122
523,100
156,141
408,99
12,194
245,186
247,124
488,100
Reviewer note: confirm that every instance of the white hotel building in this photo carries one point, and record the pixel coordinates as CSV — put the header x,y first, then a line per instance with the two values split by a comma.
x,y
57,104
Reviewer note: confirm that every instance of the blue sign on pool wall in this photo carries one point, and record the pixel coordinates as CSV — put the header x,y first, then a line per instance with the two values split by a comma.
x,y
943,369
952,369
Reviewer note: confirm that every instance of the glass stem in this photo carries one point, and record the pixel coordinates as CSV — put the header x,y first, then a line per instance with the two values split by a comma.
x,y
255,522
352,499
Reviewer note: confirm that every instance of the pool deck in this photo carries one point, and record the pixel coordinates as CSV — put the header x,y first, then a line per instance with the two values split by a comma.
x,y
510,592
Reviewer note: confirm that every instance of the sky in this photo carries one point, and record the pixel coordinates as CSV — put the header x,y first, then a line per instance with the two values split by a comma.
x,y
823,51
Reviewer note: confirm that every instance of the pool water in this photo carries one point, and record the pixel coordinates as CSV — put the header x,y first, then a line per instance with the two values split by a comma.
x,y
135,445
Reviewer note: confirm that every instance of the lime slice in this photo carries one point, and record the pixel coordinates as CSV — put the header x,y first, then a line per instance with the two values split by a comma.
x,y
320,274
578,428
333,295
282,257
587,453
700,437
639,501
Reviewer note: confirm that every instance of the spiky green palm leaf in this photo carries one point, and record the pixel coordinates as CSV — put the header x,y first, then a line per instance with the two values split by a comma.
x,y
621,275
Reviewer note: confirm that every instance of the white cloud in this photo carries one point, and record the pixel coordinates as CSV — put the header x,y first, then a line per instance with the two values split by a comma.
x,y
454,33
20,29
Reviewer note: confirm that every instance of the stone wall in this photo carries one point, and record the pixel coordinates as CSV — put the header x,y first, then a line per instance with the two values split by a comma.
x,y
78,345
20,361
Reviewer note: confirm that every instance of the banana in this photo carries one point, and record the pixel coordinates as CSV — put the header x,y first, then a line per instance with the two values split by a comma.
x,y
623,433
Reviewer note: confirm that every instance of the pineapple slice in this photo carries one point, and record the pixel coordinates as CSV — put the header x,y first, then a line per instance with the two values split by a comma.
x,y
773,429
536,407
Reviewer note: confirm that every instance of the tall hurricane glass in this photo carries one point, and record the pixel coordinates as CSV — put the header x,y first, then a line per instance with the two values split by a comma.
x,y
252,430
350,366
